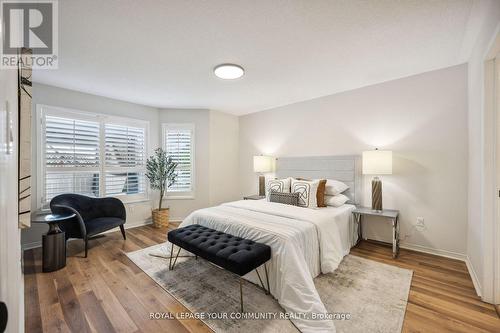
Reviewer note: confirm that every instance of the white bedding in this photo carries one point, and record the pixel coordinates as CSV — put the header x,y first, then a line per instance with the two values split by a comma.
x,y
304,243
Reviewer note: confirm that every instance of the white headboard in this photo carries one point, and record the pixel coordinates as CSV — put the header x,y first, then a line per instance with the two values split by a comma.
x,y
344,168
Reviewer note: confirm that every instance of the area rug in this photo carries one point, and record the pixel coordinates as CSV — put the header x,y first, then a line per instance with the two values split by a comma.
x,y
367,296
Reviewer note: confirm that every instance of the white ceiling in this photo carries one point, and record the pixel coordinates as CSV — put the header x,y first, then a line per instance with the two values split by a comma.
x,y
161,53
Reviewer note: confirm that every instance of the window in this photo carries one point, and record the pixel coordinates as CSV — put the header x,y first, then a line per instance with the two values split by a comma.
x,y
178,142
125,153
90,154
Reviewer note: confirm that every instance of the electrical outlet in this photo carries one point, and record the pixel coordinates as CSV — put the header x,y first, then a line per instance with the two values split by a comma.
x,y
420,225
420,222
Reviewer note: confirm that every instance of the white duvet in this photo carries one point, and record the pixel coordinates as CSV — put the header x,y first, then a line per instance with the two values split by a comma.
x,y
304,243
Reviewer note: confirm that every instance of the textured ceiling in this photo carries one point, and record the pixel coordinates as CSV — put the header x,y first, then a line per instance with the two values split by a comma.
x,y
161,53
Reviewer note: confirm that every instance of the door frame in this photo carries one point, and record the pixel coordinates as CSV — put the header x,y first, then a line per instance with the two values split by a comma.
x,y
491,246
496,221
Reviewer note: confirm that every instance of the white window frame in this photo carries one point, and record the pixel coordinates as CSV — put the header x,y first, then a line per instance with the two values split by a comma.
x,y
186,195
102,119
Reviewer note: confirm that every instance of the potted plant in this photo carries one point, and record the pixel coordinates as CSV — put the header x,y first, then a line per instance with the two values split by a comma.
x,y
160,170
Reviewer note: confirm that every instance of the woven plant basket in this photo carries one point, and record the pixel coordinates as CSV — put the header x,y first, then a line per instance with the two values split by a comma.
x,y
160,217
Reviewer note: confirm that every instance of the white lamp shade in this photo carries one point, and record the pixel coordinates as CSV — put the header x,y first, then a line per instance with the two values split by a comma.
x,y
377,162
262,163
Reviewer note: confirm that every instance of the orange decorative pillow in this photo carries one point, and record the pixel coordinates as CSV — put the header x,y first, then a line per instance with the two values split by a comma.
x,y
320,195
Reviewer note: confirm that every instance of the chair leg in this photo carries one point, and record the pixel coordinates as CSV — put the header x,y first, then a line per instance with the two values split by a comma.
x,y
122,229
86,240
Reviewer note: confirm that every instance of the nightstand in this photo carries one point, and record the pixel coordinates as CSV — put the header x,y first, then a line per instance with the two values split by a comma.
x,y
254,197
390,214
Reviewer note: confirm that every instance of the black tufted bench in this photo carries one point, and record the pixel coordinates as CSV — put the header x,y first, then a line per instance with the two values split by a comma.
x,y
235,254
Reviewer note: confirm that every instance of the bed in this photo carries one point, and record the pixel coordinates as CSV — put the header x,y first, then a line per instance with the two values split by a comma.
x,y
304,242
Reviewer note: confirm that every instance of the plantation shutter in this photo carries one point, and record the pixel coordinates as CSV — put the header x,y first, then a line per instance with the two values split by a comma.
x,y
91,154
178,142
72,157
125,154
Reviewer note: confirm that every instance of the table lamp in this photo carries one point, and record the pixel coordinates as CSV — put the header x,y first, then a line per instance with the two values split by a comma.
x,y
261,165
377,162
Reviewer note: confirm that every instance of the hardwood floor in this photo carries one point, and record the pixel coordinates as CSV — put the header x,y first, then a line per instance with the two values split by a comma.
x,y
106,292
442,297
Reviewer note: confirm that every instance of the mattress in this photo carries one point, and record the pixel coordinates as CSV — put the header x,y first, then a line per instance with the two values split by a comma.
x,y
304,243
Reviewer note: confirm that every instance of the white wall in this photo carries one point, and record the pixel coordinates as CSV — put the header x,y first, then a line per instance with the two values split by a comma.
x,y
481,187
224,158
137,213
422,118
11,280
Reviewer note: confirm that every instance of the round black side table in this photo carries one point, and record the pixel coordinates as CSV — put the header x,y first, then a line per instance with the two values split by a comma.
x,y
53,242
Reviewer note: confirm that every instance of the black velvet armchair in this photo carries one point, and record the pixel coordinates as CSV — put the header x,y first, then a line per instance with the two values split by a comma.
x,y
93,215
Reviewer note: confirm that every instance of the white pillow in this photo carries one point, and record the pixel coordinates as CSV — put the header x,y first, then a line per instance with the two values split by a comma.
x,y
334,187
307,192
278,185
336,200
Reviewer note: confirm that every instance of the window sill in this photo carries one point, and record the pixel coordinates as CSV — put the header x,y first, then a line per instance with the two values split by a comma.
x,y
44,211
135,201
179,197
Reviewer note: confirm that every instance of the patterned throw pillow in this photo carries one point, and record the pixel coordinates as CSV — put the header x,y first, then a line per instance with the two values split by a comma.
x,y
307,192
277,185
320,195
284,198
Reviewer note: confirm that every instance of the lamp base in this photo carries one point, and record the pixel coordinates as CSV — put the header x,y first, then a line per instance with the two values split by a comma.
x,y
376,194
262,186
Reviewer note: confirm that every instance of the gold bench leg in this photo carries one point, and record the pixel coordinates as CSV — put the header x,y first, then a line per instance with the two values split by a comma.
x,y
267,280
171,267
261,283
241,294
171,255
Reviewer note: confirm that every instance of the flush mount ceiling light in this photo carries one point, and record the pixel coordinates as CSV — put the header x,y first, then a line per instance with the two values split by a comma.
x,y
229,71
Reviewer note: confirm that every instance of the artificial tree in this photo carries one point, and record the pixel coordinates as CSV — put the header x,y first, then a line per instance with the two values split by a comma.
x,y
160,170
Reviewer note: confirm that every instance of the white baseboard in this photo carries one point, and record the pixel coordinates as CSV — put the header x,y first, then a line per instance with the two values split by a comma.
x,y
446,254
473,275
437,252
128,225
426,249
451,255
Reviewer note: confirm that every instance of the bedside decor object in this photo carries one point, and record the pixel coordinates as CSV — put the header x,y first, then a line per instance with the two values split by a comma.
x,y
390,214
54,241
160,170
377,162
261,165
